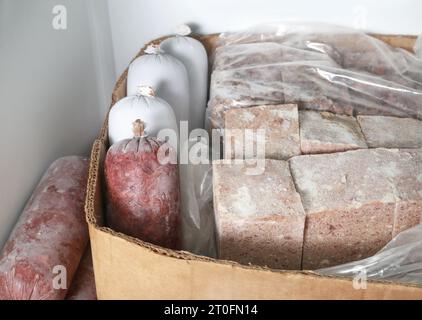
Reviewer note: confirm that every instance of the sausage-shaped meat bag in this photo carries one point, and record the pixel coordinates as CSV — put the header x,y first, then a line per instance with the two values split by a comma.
x,y
142,181
194,57
166,74
43,252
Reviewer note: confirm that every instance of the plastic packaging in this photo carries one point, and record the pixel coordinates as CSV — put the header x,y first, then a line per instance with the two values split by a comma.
x,y
166,74
320,67
142,185
40,258
399,261
198,225
155,112
193,55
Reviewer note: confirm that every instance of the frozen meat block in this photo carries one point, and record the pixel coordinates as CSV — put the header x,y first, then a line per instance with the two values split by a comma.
x,y
391,132
352,50
383,96
355,201
246,55
281,125
375,61
263,54
309,86
407,180
325,132
244,87
260,218
250,74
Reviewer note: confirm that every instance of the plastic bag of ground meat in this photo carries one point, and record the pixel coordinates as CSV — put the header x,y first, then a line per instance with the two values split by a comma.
x,y
40,258
319,67
142,198
143,192
399,261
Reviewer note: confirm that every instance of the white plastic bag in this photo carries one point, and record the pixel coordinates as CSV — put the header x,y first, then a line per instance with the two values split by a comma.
x,y
156,113
400,261
166,74
193,55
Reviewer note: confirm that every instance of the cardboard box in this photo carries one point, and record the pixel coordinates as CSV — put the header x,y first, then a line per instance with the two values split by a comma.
x,y
127,268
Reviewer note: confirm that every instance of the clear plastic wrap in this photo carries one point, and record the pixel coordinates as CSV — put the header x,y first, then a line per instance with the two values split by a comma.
x,y
198,225
399,261
418,47
319,67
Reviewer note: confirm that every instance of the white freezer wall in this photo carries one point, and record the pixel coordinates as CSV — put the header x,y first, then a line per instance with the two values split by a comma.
x,y
54,90
135,22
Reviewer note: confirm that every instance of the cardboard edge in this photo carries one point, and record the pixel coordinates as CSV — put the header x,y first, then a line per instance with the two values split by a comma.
x,y
198,279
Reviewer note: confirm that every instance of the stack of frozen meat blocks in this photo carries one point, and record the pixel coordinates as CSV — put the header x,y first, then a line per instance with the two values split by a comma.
x,y
343,139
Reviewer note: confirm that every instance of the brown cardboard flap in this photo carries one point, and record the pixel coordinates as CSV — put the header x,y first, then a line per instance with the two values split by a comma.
x,y
125,270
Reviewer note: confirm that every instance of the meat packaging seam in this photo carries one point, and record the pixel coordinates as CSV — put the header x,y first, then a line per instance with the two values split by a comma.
x,y
362,131
306,216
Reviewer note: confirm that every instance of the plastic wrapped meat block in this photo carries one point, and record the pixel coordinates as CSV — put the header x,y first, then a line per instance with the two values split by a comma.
x,y
399,261
260,218
356,201
382,96
339,70
267,53
363,53
247,55
143,192
324,132
233,89
43,252
308,86
281,125
251,74
83,284
406,177
391,132
350,48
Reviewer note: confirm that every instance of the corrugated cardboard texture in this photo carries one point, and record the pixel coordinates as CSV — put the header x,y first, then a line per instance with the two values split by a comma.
x,y
127,268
